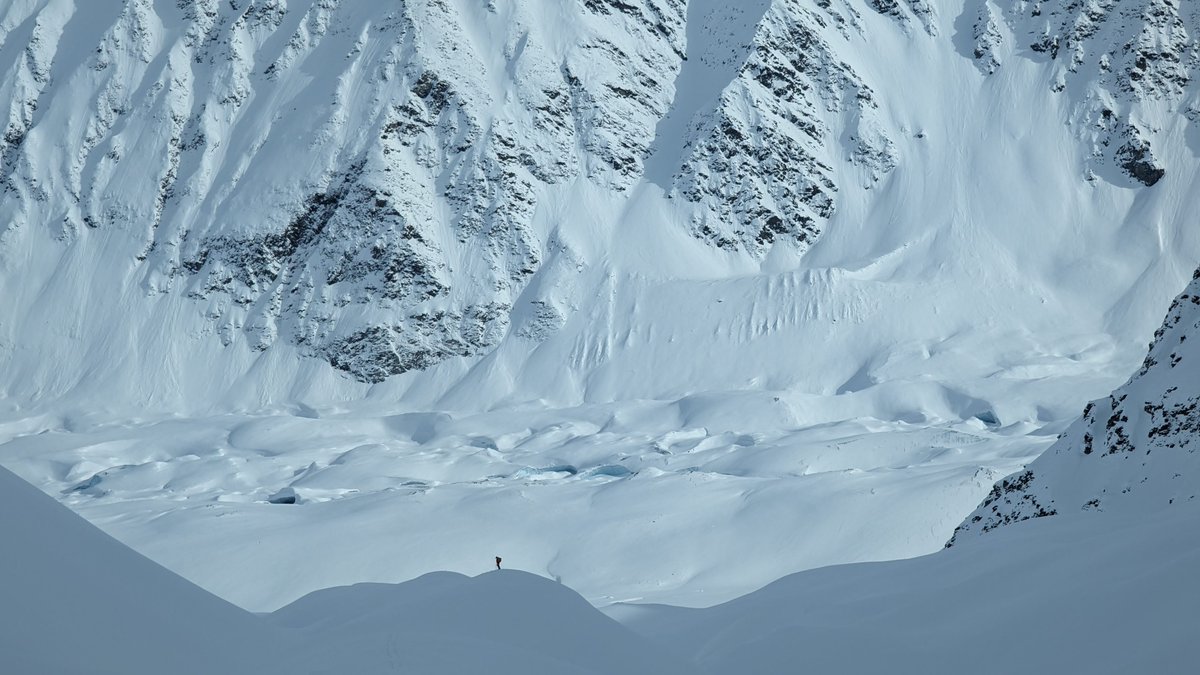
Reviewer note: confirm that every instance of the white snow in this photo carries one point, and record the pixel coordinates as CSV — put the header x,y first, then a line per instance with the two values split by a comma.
x,y
74,601
637,412
1104,594
576,494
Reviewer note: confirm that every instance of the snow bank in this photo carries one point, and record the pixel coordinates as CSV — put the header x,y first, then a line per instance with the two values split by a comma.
x,y
498,622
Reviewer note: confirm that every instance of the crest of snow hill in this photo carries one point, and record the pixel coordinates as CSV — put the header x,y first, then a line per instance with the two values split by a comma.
x,y
362,179
1135,451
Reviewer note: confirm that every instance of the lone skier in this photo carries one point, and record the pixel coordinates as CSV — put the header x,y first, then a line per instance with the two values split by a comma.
x,y
497,562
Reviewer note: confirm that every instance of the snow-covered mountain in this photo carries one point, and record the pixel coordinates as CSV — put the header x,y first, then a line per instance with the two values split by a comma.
x,y
364,180
573,280
1131,452
265,201
664,300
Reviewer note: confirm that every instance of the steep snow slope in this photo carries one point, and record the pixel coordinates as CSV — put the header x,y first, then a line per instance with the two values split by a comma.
x,y
74,601
1132,452
360,178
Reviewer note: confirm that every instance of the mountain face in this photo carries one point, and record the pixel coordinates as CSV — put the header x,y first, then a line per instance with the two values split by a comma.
x,y
311,196
1133,451
363,180
1112,59
295,165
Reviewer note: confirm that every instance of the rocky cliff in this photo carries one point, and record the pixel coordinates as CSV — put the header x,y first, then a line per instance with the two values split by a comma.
x,y
1135,449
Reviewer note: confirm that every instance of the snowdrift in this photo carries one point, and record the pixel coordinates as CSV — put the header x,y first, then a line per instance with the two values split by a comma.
x,y
498,622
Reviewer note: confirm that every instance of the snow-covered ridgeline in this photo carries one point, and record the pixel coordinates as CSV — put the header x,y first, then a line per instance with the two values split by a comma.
x,y
76,601
1134,451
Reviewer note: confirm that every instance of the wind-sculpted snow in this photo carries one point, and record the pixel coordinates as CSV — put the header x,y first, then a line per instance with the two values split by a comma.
x,y
1134,451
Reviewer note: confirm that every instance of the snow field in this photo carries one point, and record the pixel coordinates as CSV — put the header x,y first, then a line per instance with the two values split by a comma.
x,y
1105,593
664,502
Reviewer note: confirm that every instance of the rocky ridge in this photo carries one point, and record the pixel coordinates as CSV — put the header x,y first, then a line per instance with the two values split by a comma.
x,y
1135,449
763,172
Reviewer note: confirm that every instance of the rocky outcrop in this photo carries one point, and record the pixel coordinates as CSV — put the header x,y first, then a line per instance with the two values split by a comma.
x,y
763,172
348,177
988,40
1133,451
1123,63
903,12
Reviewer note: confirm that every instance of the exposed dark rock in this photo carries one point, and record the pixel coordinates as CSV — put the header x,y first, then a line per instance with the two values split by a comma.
x,y
1137,160
285,496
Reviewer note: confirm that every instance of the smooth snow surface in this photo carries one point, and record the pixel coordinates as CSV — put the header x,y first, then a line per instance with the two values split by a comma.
x,y
75,602
502,621
1054,595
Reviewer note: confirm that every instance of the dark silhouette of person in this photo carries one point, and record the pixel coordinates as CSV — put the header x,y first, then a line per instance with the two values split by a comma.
x,y
497,562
